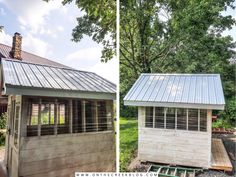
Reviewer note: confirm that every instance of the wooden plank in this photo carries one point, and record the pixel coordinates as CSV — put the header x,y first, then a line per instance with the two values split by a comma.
x,y
56,115
220,158
96,114
64,162
71,116
83,116
156,145
39,117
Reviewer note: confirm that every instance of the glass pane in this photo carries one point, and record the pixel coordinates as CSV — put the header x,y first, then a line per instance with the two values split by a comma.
x,y
193,119
149,117
159,117
181,119
170,118
203,120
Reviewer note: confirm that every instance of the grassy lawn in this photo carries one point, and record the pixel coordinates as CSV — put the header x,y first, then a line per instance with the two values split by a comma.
x,y
128,141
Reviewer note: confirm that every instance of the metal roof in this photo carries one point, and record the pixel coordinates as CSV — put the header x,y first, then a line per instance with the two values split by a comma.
x,y
19,76
177,90
28,57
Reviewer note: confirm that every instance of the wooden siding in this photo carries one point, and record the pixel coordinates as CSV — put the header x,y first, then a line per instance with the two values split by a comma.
x,y
180,147
64,154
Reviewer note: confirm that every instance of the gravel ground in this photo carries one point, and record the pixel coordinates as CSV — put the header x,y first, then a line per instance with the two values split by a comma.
x,y
229,141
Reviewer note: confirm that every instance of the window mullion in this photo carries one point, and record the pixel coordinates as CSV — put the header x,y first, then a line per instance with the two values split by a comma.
x,y
187,120
96,114
39,117
165,110
83,116
198,119
175,118
55,117
153,121
71,116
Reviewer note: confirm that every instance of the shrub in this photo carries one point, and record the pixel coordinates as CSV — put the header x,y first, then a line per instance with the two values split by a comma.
x,y
228,116
3,121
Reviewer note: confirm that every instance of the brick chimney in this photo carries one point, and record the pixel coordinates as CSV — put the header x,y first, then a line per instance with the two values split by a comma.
x,y
16,46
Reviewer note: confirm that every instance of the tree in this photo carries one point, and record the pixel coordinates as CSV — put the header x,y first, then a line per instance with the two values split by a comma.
x,y
181,36
99,22
1,28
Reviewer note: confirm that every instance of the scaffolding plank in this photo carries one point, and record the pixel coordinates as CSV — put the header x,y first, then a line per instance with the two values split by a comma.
x,y
220,159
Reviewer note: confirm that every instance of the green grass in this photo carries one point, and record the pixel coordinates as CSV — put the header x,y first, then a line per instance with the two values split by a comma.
x,y
128,141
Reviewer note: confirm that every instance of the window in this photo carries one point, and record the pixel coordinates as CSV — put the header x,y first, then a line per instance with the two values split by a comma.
x,y
203,120
149,117
170,118
102,116
90,117
193,119
53,116
45,112
181,119
176,118
77,116
62,115
159,117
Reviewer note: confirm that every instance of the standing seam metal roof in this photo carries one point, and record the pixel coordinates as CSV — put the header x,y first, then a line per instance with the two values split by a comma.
x,y
198,89
21,74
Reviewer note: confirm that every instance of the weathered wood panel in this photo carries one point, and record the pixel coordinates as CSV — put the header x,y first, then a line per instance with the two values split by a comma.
x,y
181,147
62,155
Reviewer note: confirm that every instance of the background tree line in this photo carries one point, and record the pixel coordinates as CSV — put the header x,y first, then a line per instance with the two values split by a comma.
x,y
176,36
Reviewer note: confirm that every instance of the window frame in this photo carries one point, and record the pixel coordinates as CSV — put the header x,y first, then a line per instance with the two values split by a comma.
x,y
198,119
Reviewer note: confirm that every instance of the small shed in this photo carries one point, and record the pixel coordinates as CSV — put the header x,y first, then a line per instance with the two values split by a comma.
x,y
60,120
174,117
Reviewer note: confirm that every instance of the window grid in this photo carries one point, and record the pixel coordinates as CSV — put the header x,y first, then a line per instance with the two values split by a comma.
x,y
176,118
48,117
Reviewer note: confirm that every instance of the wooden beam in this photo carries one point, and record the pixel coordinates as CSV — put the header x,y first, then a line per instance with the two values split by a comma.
x,y
83,116
108,113
39,117
176,118
165,110
198,120
187,120
49,117
70,116
153,121
56,113
96,114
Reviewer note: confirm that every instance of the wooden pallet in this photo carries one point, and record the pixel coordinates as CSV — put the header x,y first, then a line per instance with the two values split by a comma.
x,y
219,157
168,171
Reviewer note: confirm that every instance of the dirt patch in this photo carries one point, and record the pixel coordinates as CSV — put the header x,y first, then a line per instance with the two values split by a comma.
x,y
229,141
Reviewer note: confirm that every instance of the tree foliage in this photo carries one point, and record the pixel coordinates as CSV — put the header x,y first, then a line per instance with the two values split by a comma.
x,y
175,36
98,22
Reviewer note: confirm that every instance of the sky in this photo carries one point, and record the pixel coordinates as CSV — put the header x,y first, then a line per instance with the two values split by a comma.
x,y
46,29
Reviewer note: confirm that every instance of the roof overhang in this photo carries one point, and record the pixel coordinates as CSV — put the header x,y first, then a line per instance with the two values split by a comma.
x,y
175,105
32,91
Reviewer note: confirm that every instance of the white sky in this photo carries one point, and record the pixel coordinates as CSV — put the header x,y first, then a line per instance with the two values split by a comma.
x,y
46,30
